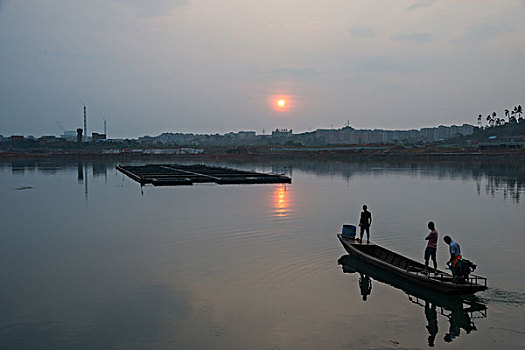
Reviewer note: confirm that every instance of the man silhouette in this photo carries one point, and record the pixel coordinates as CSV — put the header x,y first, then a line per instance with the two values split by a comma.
x,y
364,222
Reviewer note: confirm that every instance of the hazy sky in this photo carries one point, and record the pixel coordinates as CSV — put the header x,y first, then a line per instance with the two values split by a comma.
x,y
151,66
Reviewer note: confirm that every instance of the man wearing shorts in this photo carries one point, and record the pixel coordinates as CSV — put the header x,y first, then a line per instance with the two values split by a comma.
x,y
430,250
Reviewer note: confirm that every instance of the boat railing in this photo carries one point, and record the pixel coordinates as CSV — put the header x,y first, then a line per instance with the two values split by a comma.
x,y
474,314
479,314
417,301
420,271
475,279
471,280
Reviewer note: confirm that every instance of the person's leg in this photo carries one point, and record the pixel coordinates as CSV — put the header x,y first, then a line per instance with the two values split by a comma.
x,y
427,257
435,263
361,234
368,235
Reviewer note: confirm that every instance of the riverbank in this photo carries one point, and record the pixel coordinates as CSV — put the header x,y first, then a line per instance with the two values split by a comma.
x,y
335,153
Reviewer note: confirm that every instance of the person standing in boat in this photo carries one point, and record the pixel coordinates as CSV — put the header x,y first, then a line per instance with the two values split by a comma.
x,y
430,250
455,252
365,222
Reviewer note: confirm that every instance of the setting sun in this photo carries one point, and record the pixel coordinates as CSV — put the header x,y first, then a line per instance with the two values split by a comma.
x,y
281,102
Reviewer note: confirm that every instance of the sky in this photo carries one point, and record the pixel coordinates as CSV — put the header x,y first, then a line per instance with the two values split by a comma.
x,y
201,66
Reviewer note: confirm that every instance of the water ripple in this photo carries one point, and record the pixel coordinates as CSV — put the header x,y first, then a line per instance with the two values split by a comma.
x,y
501,296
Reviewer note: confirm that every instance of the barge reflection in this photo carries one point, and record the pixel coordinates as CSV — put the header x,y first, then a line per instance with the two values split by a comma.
x,y
460,311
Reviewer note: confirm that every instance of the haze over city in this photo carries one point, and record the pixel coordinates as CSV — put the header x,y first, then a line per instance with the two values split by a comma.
x,y
197,66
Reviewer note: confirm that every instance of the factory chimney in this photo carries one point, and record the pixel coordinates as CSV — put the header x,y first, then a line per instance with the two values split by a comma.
x,y
79,135
105,128
85,125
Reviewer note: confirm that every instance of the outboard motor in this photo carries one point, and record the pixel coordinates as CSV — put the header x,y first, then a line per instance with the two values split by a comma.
x,y
462,270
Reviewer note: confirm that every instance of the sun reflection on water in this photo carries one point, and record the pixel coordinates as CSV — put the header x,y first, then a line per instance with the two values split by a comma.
x,y
281,201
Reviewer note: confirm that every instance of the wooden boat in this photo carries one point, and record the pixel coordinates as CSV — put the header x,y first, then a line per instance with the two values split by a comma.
x,y
411,270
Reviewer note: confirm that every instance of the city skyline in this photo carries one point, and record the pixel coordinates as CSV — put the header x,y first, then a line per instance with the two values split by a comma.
x,y
72,134
205,67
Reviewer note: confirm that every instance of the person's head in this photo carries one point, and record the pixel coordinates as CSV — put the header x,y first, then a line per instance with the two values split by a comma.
x,y
431,340
431,225
365,207
447,239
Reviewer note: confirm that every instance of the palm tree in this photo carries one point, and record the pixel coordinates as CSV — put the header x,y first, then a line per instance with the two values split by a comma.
x,y
479,121
519,111
507,114
489,120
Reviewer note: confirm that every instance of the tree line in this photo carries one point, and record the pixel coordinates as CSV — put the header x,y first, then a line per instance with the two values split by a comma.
x,y
513,116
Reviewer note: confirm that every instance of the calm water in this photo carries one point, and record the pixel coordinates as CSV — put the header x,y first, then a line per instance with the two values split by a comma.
x,y
89,260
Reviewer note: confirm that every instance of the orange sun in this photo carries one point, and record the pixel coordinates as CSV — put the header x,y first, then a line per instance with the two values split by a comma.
x,y
281,103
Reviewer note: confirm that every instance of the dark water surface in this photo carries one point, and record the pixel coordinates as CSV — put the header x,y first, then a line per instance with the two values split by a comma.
x,y
89,260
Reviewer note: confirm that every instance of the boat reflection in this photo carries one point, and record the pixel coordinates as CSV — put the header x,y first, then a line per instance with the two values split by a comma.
x,y
461,311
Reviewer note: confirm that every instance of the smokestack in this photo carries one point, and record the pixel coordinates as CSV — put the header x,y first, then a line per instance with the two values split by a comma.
x,y
85,124
79,135
105,128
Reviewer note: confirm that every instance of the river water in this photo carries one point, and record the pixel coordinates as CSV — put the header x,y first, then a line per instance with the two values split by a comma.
x,y
90,260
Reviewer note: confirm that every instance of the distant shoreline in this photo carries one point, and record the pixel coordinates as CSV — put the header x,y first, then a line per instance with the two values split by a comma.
x,y
275,155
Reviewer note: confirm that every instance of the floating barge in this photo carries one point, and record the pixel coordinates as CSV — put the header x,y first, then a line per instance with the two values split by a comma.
x,y
180,175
